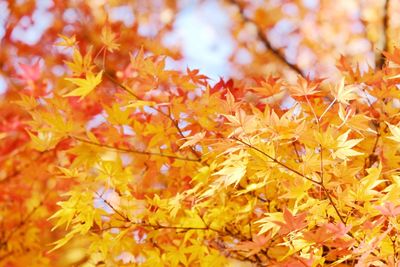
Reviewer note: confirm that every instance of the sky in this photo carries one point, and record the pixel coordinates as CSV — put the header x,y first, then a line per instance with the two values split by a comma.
x,y
203,31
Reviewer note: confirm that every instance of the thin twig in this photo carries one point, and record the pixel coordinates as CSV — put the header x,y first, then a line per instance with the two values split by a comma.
x,y
277,161
123,87
298,173
372,157
125,218
127,150
394,247
174,122
297,152
154,226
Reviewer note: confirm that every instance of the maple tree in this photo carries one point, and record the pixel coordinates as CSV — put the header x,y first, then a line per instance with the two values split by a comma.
x,y
110,158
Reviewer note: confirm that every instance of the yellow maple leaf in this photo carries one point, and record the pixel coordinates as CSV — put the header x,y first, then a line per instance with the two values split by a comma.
x,y
27,102
192,140
344,147
108,39
118,116
234,168
85,86
268,223
395,132
44,140
343,94
80,64
66,41
365,189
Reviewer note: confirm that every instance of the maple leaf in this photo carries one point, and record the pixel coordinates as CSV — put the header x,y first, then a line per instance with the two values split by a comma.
x,y
118,116
339,229
255,245
393,56
344,147
85,86
80,64
234,168
44,140
304,87
30,72
108,39
67,41
343,94
319,236
196,77
389,209
27,102
192,140
365,188
242,122
395,130
268,86
291,222
345,66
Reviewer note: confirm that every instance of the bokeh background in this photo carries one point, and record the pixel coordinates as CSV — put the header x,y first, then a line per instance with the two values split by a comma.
x,y
212,36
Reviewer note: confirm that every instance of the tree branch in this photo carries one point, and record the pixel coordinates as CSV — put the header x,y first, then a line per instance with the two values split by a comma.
x,y
156,226
319,183
385,29
130,92
277,161
264,39
127,150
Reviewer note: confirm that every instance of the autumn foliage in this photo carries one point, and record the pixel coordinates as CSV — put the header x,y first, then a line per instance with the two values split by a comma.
x,y
110,158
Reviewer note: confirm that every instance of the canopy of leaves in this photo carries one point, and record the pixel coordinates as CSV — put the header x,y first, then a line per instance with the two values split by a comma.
x,y
109,157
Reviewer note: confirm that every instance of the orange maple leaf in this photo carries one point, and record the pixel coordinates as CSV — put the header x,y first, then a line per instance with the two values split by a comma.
x,y
305,88
255,245
292,222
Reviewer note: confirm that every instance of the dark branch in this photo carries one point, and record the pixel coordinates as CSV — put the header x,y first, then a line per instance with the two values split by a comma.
x,y
326,191
123,87
127,150
264,39
385,47
277,161
157,226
